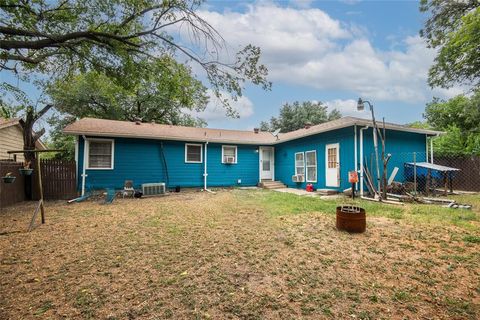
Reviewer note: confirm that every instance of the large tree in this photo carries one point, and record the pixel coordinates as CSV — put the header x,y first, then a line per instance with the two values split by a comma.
x,y
296,115
453,28
163,91
63,38
459,117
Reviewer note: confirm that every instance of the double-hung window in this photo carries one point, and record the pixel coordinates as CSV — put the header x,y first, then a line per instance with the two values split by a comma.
x,y
229,154
299,164
100,153
193,153
311,166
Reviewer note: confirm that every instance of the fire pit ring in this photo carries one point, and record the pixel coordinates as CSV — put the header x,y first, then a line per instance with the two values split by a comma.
x,y
351,219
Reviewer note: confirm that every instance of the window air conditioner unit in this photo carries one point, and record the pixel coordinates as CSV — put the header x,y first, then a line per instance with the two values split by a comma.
x,y
229,159
298,178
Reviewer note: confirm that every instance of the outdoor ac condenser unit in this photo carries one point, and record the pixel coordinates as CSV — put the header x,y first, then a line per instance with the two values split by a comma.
x,y
150,189
298,178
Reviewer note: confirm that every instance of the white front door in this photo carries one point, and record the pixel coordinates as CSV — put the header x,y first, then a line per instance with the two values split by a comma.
x,y
332,165
267,163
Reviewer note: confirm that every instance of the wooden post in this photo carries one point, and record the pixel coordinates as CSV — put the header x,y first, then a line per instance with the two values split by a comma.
x,y
445,182
40,187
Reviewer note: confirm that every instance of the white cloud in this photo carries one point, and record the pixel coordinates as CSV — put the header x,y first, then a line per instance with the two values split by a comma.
x,y
347,108
305,46
216,111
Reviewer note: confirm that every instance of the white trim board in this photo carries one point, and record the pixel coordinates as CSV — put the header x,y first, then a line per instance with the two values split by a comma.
x,y
236,154
201,152
87,152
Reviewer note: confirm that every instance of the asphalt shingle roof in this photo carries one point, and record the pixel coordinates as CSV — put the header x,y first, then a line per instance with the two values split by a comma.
x,y
115,128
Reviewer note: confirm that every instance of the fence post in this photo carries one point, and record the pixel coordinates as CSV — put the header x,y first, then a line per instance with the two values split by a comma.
x,y
415,172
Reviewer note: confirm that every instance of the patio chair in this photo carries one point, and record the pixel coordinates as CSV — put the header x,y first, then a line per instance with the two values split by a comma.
x,y
128,188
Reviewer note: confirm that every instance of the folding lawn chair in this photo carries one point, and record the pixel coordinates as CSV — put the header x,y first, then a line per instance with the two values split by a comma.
x,y
128,188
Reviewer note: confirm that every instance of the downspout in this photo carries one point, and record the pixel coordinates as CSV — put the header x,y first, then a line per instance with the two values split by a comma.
x,y
426,147
361,160
355,155
205,174
84,175
431,149
76,161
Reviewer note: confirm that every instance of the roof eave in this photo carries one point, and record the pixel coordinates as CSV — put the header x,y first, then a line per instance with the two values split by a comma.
x,y
117,135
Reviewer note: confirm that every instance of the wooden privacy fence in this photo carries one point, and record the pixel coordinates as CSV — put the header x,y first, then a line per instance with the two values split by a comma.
x,y
11,193
58,180
468,178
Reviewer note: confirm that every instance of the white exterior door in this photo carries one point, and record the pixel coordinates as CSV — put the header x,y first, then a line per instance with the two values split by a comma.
x,y
267,163
332,165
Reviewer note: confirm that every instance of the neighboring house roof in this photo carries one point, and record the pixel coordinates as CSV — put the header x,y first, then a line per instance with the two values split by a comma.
x,y
5,123
127,129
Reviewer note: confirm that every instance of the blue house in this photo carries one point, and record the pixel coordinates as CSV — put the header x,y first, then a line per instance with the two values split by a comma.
x,y
110,152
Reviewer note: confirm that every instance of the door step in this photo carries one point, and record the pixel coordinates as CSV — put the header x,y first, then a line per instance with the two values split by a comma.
x,y
272,184
327,192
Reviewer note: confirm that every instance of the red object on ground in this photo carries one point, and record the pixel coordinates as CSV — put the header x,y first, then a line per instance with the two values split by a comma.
x,y
309,187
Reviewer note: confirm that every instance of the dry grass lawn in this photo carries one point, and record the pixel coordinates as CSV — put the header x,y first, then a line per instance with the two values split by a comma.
x,y
238,255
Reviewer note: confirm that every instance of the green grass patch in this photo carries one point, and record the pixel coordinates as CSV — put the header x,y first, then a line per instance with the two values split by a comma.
x,y
471,239
282,204
47,305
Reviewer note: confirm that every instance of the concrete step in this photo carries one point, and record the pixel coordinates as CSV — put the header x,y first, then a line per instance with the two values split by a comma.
x,y
272,185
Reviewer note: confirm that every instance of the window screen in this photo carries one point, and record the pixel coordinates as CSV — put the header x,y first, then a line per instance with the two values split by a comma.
x,y
228,152
311,165
100,154
299,163
193,153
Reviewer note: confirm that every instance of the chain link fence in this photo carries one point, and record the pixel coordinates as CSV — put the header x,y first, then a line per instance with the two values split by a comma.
x,y
420,173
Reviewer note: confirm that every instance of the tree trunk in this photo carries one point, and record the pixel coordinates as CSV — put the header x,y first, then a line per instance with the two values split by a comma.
x,y
29,136
28,141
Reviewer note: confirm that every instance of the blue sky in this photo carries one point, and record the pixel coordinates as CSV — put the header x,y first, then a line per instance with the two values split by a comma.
x,y
329,51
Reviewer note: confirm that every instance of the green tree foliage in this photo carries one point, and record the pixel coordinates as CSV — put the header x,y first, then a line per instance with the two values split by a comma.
x,y
419,125
110,41
163,91
459,117
58,38
454,28
294,116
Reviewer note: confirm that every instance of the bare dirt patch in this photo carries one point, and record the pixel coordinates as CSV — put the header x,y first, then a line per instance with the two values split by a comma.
x,y
200,255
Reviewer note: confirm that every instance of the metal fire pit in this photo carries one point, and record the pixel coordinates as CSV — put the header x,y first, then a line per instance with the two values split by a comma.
x,y
351,219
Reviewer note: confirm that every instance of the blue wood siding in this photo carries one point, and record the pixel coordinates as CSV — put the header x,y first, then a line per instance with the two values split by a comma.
x,y
401,145
285,157
141,160
246,169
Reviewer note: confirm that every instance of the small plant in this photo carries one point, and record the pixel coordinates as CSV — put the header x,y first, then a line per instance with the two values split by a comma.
x,y
26,170
8,178
26,165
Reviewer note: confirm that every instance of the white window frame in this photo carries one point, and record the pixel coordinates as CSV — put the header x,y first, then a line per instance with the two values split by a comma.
x,y
236,154
311,166
295,163
194,145
87,151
